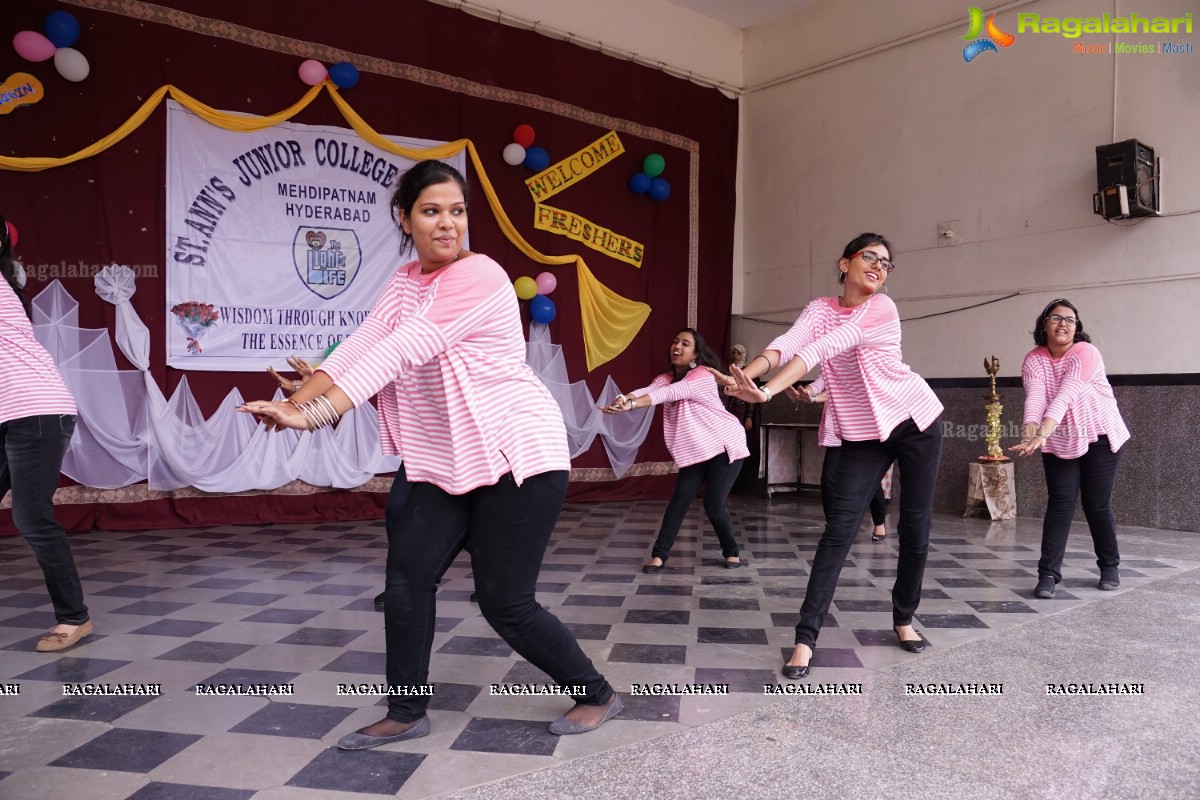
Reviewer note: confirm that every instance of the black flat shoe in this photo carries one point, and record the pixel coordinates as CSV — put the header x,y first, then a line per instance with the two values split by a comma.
x,y
875,538
794,673
733,564
797,671
910,645
379,601
650,569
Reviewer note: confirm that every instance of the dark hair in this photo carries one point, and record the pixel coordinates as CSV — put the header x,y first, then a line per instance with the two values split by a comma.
x,y
8,267
705,357
861,241
1039,327
413,182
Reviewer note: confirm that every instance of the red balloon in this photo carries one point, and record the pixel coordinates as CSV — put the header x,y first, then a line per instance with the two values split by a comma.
x,y
523,135
12,233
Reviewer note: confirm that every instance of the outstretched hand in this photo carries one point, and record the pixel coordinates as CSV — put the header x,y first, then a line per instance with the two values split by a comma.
x,y
721,378
276,415
291,385
744,388
618,405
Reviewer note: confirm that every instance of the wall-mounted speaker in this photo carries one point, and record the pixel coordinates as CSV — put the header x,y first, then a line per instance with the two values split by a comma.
x,y
1127,181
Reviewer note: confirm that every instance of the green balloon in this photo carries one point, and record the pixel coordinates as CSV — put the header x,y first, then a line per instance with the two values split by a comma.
x,y
654,165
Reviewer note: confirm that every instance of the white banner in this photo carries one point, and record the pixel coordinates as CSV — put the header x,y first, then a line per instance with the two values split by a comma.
x,y
278,241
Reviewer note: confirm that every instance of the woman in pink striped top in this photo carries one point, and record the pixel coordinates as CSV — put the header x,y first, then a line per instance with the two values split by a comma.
x,y
485,452
881,410
37,420
705,440
1072,416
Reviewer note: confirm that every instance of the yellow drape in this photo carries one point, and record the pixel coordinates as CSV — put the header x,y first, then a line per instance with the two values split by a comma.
x,y
610,321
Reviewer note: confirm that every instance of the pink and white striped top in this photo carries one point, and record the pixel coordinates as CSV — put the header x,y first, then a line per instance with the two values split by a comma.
x,y
827,431
871,390
1074,391
466,408
30,383
696,424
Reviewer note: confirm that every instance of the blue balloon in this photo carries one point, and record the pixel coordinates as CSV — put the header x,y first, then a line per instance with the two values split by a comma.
x,y
541,308
537,159
62,29
639,183
659,189
344,75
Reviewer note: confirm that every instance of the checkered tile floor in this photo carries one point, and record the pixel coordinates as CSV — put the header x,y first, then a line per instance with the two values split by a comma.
x,y
293,605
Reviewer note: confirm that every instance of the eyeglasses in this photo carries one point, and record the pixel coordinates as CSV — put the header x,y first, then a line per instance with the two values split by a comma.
x,y
872,258
1058,319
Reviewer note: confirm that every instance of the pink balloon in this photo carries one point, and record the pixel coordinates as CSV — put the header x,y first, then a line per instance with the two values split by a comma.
x,y
12,233
546,282
313,72
32,46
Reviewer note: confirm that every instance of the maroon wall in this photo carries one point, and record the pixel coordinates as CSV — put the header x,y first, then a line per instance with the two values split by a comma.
x,y
111,207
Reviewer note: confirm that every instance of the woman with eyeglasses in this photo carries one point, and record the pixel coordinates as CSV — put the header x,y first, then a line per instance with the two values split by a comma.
x,y
1071,415
883,412
706,441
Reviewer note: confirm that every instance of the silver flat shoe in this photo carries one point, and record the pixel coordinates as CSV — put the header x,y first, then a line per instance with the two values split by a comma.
x,y
361,741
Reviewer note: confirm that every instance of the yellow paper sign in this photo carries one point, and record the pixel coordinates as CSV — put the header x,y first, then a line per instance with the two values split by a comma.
x,y
574,168
573,226
21,89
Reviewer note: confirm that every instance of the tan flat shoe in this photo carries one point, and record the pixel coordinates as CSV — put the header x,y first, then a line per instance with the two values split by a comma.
x,y
53,642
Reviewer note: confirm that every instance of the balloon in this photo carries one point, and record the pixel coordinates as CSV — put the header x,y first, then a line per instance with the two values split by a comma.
x,y
71,64
12,234
313,72
523,135
344,74
537,159
546,282
62,29
654,165
541,308
329,350
639,183
525,286
514,154
32,46
659,189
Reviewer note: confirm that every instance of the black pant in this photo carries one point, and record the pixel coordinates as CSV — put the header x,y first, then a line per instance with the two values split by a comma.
x,y
31,455
861,467
1091,478
507,527
717,475
829,466
397,497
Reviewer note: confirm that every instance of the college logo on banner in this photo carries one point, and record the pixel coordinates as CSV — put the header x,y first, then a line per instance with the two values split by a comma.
x,y
279,241
327,259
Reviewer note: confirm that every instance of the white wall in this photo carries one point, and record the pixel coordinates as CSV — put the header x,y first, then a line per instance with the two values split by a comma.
x,y
901,140
657,31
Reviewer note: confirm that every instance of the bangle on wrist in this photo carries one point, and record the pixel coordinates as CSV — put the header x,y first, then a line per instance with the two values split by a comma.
x,y
767,391
764,358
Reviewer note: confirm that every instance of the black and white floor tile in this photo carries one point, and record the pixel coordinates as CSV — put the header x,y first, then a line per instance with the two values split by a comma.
x,y
292,604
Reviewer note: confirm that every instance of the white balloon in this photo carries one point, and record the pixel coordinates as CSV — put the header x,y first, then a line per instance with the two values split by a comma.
x,y
71,64
514,154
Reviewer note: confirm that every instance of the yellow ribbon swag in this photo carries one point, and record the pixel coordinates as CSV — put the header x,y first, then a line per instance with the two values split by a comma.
x,y
610,321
